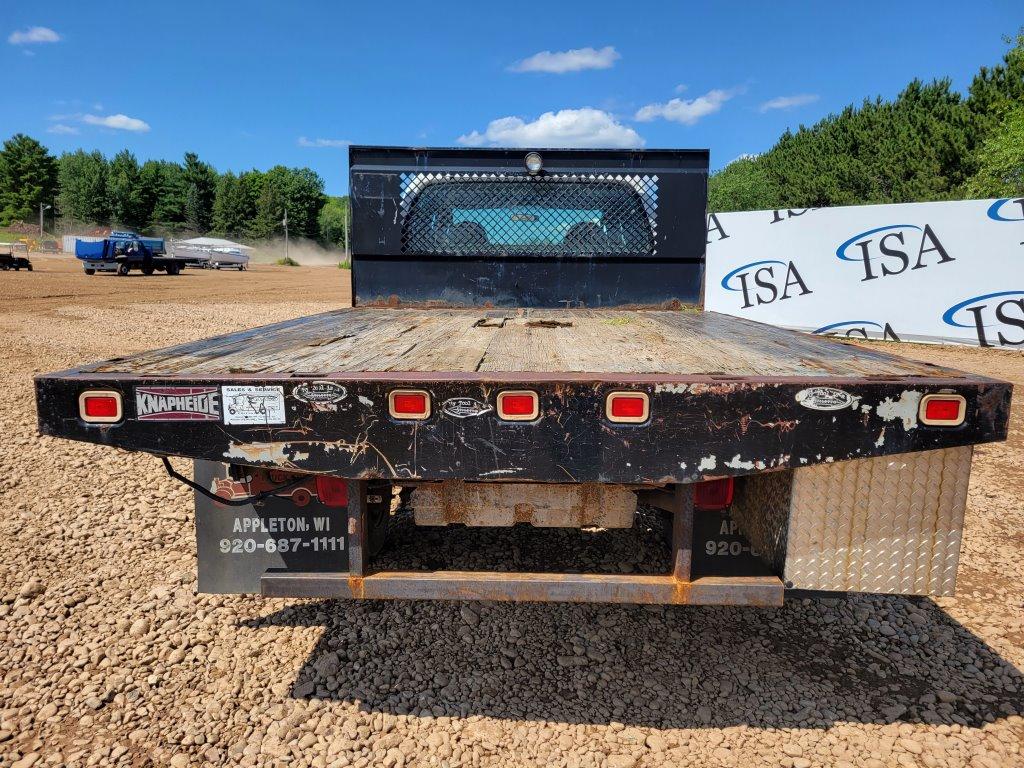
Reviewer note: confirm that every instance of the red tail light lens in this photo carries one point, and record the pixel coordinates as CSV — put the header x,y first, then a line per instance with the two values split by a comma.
x,y
332,491
518,406
409,404
713,495
628,407
942,410
100,407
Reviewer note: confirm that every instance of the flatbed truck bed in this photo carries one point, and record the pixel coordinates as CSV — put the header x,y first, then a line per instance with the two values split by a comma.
x,y
473,390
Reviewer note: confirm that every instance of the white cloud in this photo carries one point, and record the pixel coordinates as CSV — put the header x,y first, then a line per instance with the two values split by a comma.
x,y
788,102
681,88
586,127
119,122
33,35
320,143
575,60
686,111
61,128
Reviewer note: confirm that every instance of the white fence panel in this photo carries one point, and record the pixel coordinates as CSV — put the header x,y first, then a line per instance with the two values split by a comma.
x,y
936,272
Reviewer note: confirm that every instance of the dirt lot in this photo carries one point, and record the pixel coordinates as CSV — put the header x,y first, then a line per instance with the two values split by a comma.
x,y
109,657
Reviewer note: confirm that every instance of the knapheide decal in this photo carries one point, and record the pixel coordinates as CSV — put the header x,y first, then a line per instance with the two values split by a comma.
x,y
177,404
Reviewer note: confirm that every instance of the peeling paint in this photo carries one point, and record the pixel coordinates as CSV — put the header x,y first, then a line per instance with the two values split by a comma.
x,y
905,408
708,462
736,463
676,389
366,401
881,439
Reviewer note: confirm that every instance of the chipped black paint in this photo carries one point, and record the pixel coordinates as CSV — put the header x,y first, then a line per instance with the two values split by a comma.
x,y
697,429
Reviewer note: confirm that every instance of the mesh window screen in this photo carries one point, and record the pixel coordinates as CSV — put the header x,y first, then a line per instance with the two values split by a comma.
x,y
491,214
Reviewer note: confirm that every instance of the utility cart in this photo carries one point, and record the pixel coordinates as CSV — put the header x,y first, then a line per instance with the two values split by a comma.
x,y
14,256
526,355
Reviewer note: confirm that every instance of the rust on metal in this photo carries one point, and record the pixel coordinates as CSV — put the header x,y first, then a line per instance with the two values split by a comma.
x,y
529,587
543,505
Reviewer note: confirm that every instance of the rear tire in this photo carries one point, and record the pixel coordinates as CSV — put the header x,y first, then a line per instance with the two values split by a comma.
x,y
147,269
123,269
90,271
172,269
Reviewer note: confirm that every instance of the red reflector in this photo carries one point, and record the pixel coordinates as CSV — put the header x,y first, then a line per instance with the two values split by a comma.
x,y
517,405
522,405
628,406
413,403
333,491
409,404
101,406
713,495
942,410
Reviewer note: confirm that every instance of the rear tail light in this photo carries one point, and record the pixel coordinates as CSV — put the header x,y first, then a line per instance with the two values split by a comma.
x,y
516,405
332,491
100,407
628,407
942,410
713,495
409,404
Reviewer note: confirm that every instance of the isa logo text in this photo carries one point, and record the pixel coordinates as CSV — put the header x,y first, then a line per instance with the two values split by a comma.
x,y
1007,209
859,329
996,318
893,249
765,282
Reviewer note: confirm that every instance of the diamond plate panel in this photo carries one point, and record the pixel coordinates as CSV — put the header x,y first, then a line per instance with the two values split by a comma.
x,y
890,524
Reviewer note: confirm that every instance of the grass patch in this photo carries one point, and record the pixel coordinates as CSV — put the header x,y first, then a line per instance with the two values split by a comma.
x,y
345,264
620,320
287,261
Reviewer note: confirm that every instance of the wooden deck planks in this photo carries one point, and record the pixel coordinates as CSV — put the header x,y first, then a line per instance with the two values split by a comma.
x,y
580,341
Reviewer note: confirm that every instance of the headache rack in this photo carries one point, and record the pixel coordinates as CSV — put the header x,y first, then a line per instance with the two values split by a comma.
x,y
474,228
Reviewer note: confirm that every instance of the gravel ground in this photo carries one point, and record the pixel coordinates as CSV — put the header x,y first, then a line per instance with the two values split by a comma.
x,y
109,657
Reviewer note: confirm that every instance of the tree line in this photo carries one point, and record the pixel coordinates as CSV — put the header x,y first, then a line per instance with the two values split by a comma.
x,y
160,196
929,143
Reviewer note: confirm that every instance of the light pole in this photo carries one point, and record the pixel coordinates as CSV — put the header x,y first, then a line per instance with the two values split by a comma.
x,y
42,207
285,222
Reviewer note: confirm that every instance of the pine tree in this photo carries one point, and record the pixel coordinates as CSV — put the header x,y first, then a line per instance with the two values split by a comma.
x,y
28,177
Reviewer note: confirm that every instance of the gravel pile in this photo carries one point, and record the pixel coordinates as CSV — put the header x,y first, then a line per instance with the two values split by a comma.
x,y
109,657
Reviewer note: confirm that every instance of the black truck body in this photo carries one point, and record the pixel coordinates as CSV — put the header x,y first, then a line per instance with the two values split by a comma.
x,y
475,280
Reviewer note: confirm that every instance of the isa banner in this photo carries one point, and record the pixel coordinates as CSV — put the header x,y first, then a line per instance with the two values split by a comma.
x,y
948,272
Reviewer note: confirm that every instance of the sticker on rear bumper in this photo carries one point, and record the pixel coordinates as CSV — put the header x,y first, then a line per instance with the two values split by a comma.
x,y
825,399
253,405
177,404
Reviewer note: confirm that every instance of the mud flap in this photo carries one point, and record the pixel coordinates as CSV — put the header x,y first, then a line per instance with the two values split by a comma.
x,y
236,545
719,549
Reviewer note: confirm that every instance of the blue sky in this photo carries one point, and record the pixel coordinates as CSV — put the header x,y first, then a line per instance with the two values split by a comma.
x,y
257,84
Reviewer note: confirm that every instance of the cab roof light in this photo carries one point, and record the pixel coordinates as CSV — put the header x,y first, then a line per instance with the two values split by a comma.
x,y
942,410
627,407
410,404
100,406
518,405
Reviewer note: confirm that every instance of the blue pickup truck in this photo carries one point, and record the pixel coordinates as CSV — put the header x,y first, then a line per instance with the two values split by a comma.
x,y
121,252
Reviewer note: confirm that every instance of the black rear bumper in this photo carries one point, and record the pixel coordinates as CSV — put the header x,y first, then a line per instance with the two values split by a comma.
x,y
700,427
